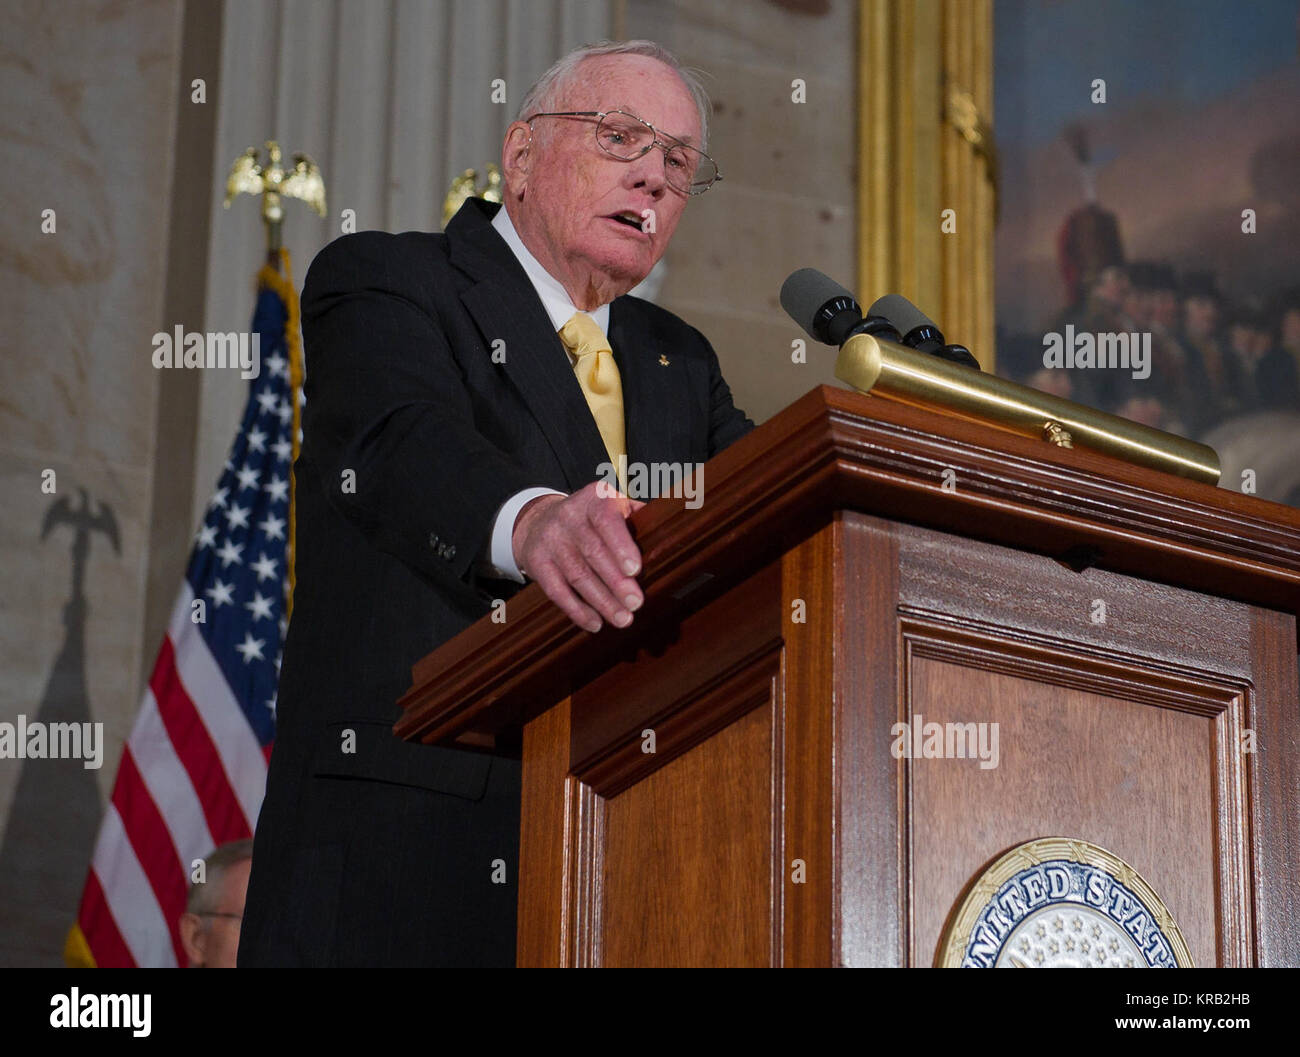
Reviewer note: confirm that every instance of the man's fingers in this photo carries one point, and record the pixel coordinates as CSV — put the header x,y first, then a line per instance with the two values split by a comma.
x,y
581,553
557,589
584,579
613,532
600,556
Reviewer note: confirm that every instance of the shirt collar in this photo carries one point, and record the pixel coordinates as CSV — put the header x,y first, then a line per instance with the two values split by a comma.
x,y
555,299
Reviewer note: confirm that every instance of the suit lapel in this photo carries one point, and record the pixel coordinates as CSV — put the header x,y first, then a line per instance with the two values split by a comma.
x,y
504,305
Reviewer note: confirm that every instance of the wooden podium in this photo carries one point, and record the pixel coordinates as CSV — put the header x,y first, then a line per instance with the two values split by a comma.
x,y
858,564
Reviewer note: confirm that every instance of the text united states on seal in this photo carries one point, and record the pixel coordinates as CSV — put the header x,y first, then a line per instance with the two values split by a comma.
x,y
1061,902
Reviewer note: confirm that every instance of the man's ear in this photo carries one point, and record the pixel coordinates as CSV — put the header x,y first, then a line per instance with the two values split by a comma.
x,y
193,938
516,157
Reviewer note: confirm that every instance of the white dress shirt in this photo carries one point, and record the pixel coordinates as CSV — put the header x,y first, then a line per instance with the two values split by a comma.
x,y
560,308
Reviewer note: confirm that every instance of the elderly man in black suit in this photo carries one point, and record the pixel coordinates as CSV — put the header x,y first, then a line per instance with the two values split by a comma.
x,y
466,396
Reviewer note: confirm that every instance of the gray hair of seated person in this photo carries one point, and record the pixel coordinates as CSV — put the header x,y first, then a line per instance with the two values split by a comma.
x,y
203,898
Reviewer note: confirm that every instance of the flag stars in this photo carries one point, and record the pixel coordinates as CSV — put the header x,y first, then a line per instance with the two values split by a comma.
x,y
277,489
264,567
221,594
207,537
237,516
271,702
273,527
231,552
256,440
251,648
260,607
285,412
247,477
277,365
283,450
219,496
267,400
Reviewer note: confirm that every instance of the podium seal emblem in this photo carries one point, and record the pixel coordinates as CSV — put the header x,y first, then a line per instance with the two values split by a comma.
x,y
1060,902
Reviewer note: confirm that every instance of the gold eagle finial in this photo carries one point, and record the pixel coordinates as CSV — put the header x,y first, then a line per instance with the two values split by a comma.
x,y
466,186
273,182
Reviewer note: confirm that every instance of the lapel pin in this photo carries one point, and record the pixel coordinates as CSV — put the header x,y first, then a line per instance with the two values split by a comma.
x,y
663,360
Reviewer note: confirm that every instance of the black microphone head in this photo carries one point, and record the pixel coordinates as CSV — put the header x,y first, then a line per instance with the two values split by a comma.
x,y
959,354
901,312
814,301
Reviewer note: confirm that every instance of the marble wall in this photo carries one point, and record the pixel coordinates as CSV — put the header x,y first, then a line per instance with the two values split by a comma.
x,y
86,132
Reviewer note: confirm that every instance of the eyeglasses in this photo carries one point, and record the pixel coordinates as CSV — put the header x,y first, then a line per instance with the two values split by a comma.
x,y
626,137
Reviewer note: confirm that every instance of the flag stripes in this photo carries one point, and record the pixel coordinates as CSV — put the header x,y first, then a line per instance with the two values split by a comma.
x,y
193,771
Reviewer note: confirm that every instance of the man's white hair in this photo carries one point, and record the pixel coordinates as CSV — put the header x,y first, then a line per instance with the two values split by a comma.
x,y
203,898
547,93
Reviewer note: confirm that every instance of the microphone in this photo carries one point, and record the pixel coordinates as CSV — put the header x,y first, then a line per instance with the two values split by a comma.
x,y
919,331
827,312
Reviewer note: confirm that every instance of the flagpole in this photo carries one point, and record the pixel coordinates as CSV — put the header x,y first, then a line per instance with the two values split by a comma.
x,y
272,182
281,281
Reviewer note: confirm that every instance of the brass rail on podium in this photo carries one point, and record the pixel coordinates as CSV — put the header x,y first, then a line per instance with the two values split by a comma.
x,y
897,373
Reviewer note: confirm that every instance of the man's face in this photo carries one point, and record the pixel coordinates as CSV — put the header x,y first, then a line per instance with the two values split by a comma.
x,y
1047,380
570,190
1291,330
211,940
1144,409
1202,316
1137,304
1242,339
1164,308
1112,287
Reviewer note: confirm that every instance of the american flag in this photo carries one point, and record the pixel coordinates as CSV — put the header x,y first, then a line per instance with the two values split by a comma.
x,y
193,770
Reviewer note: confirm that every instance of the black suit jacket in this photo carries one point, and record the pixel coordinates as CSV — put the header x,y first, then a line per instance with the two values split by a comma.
x,y
370,850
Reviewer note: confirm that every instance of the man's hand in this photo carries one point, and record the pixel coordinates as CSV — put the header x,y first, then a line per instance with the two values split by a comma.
x,y
580,551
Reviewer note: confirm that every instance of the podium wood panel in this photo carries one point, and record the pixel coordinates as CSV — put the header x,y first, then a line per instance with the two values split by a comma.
x,y
1138,736
1081,771
686,878
1130,633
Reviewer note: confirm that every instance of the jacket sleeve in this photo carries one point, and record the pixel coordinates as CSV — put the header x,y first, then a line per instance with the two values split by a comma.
x,y
388,424
727,423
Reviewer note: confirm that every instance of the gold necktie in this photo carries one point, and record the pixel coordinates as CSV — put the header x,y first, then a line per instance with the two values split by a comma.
x,y
598,375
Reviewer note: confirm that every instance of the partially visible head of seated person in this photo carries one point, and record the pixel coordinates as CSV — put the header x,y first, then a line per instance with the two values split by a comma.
x,y
215,907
